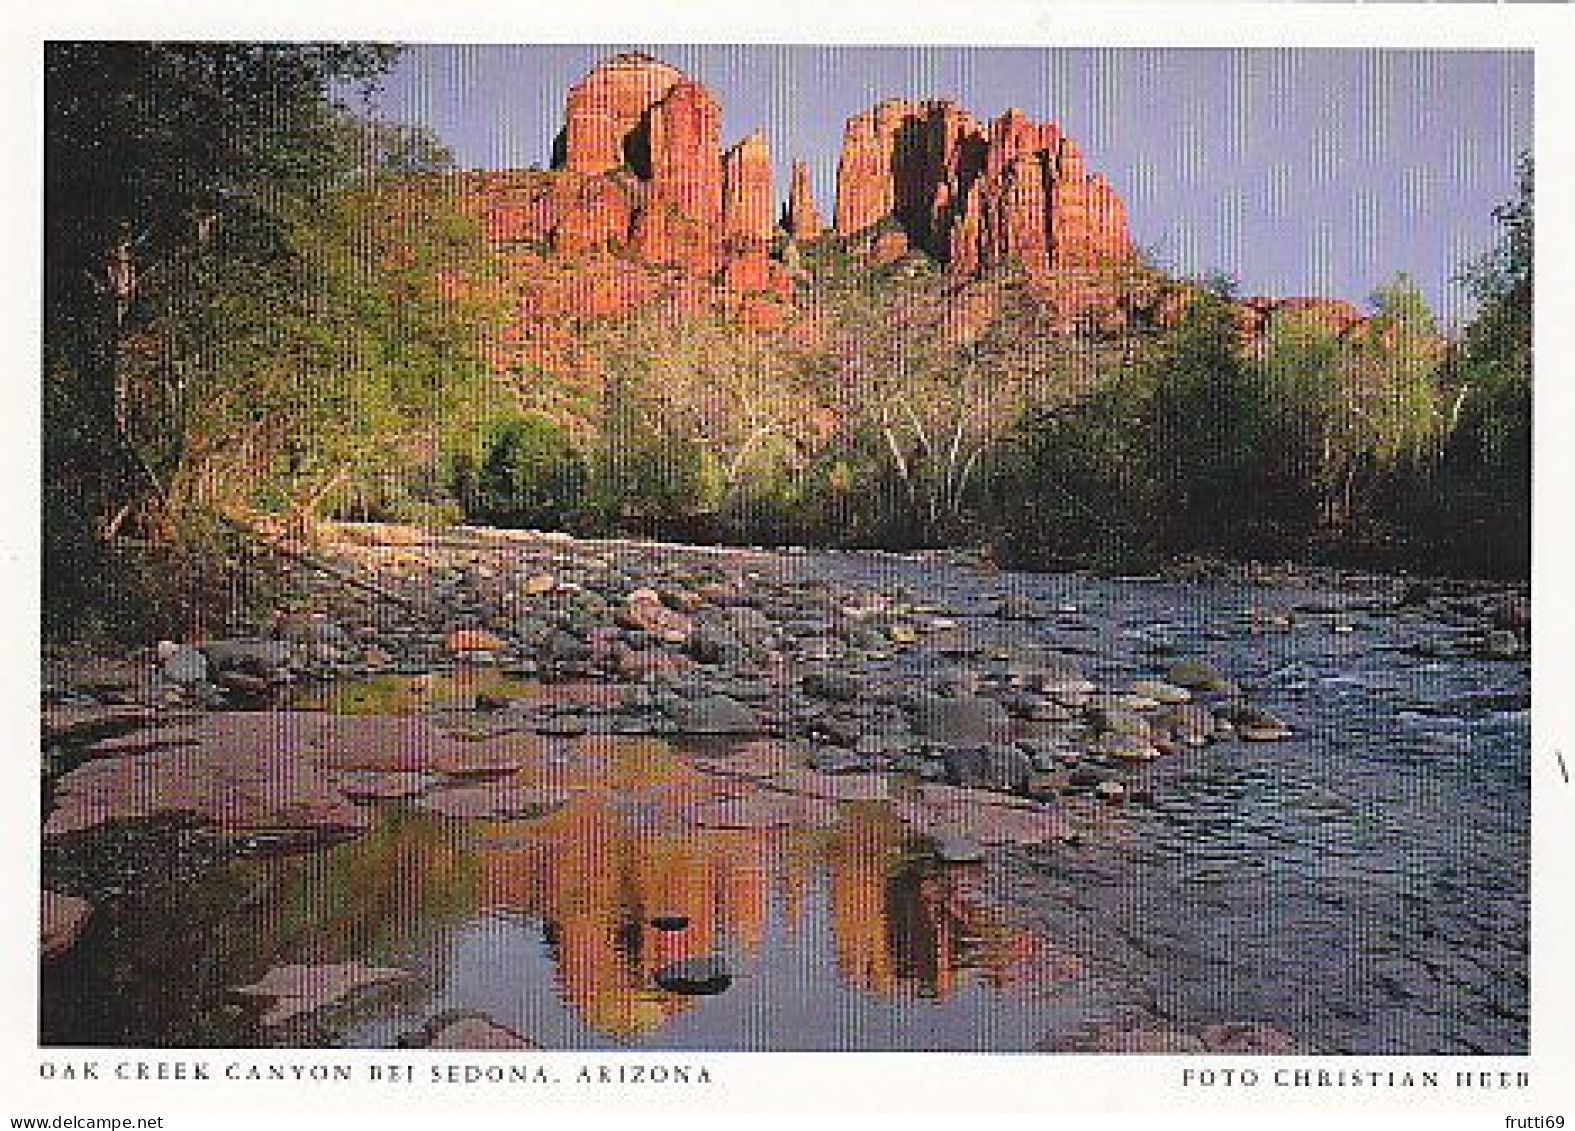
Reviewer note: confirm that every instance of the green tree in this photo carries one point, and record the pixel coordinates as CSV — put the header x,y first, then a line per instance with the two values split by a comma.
x,y
530,474
1488,459
1208,423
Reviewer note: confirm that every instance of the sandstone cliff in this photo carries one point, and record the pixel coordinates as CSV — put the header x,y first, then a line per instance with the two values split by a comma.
x,y
976,196
644,205
801,218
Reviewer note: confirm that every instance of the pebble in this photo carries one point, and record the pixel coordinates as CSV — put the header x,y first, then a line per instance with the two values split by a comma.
x,y
697,977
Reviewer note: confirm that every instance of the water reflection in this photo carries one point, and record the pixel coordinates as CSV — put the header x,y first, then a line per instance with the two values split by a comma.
x,y
490,913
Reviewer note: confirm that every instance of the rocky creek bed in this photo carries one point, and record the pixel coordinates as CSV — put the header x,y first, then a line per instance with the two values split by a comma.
x,y
486,789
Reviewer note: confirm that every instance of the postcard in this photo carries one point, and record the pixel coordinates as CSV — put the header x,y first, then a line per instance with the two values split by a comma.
x,y
893,559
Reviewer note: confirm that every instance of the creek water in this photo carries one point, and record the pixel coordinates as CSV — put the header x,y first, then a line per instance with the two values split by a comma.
x,y
1362,887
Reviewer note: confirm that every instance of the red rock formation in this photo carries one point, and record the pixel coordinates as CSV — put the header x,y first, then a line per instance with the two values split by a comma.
x,y
975,197
802,219
686,162
643,208
756,273
606,112
746,195
865,189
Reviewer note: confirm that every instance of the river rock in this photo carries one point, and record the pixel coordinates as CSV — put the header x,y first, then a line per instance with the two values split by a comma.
x,y
474,1032
1120,720
961,719
62,921
696,977
1047,785
1198,675
1160,691
644,611
834,684
1001,768
315,634
1502,644
252,655
714,714
713,643
298,989
1254,724
1125,747
1185,723
185,665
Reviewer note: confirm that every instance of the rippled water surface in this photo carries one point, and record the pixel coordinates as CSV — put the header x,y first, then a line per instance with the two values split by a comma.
x,y
1361,887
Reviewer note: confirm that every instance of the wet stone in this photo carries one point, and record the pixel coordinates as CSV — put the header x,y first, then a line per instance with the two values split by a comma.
x,y
185,665
698,977
1197,675
714,714
1125,748
832,684
1120,720
951,848
961,719
1004,769
257,656
838,762
1160,692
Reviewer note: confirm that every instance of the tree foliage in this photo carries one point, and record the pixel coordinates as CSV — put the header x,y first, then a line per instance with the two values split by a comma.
x,y
253,297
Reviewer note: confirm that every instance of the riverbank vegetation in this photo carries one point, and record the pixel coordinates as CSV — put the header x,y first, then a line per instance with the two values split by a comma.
x,y
259,303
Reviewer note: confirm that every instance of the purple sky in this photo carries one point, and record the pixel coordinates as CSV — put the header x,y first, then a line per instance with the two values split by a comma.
x,y
1298,171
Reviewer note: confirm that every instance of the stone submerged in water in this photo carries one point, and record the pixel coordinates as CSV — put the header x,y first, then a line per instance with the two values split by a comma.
x,y
1254,724
696,977
302,989
1160,691
1125,747
1502,644
1186,724
474,1031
